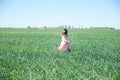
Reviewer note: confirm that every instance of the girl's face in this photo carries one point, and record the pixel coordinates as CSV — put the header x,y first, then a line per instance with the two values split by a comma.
x,y
63,31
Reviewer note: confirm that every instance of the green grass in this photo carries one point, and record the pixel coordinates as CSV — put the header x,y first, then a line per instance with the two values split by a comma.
x,y
31,54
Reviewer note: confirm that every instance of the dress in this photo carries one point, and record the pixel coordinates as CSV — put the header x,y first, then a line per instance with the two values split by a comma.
x,y
65,43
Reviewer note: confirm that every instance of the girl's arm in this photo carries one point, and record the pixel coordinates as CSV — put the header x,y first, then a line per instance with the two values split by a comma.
x,y
66,40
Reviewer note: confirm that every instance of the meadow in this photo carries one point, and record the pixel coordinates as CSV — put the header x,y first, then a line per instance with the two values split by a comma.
x,y
31,54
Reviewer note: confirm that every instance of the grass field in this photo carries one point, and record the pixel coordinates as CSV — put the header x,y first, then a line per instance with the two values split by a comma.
x,y
31,54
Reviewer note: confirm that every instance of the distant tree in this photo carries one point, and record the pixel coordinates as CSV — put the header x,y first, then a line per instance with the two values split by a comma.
x,y
69,26
65,26
28,27
44,26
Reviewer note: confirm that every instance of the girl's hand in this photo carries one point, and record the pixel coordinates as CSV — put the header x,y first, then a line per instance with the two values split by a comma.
x,y
67,41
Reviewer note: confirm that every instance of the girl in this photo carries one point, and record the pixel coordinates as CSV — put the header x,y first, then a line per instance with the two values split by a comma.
x,y
65,43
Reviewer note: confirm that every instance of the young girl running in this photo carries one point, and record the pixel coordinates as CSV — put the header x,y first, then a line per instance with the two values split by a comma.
x,y
65,43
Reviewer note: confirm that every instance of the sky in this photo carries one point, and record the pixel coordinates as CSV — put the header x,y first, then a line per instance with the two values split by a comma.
x,y
52,13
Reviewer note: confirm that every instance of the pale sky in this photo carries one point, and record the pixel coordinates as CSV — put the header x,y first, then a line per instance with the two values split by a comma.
x,y
52,13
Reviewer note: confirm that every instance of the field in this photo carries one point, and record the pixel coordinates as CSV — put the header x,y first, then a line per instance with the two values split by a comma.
x,y
31,54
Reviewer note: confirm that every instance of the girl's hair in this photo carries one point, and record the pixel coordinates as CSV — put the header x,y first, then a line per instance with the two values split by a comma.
x,y
65,32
